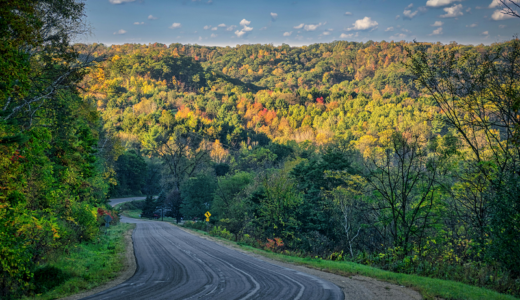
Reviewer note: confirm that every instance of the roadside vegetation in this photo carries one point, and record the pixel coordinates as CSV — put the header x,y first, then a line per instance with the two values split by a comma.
x,y
86,266
56,158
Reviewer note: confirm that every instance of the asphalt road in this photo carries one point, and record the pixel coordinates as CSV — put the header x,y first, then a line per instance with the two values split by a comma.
x,y
116,201
173,264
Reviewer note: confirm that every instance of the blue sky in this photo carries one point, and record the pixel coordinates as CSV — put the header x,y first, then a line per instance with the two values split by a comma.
x,y
297,22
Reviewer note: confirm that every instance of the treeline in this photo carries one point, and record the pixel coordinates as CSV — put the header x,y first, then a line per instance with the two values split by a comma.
x,y
398,155
54,173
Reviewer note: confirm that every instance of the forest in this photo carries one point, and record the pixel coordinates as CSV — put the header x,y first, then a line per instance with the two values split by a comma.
x,y
399,155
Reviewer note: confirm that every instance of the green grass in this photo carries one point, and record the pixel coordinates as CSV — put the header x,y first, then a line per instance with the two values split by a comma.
x,y
430,288
85,267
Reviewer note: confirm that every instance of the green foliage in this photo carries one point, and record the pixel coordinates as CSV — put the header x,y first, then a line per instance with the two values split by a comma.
x,y
197,194
149,207
129,168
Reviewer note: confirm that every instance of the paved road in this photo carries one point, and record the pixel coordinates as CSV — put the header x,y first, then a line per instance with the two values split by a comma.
x,y
116,201
173,264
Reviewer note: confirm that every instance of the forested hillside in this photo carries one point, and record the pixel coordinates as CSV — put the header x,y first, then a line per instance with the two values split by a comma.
x,y
398,155
56,160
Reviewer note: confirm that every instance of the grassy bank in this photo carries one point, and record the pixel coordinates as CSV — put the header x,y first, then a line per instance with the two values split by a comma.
x,y
87,266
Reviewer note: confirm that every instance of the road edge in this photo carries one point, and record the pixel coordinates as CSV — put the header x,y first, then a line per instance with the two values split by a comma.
x,y
127,273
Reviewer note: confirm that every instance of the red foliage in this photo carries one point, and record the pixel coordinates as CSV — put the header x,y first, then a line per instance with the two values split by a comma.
x,y
319,100
274,244
100,212
16,156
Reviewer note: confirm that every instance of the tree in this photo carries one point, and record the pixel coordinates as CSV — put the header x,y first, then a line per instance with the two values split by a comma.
x,y
508,7
149,207
37,40
478,95
183,154
230,205
403,178
347,197
197,194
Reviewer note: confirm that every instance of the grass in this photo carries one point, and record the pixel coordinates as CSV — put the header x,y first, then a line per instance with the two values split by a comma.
x,y
87,266
430,288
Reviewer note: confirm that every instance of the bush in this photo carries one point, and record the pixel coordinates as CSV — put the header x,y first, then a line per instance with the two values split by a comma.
x,y
221,232
195,225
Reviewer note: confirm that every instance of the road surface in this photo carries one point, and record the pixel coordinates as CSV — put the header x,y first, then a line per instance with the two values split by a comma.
x,y
116,201
173,264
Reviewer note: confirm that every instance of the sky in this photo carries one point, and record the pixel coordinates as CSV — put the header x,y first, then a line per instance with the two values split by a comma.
x,y
300,22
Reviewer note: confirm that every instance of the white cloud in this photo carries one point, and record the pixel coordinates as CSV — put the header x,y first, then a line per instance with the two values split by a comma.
x,y
409,6
363,24
312,27
245,22
246,29
175,26
213,35
214,28
437,24
494,4
437,31
207,27
453,11
472,25
406,30
120,31
240,33
397,17
468,10
439,3
151,17
326,33
502,26
498,15
274,16
485,32
138,23
120,1
288,33
390,29
348,13
299,26
346,36
230,28
408,14
221,25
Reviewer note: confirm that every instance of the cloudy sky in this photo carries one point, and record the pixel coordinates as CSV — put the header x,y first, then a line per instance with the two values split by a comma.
x,y
300,22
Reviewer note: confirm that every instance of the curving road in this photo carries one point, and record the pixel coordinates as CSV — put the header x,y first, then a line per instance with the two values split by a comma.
x,y
173,264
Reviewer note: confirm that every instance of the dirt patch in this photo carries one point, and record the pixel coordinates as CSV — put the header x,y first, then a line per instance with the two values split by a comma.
x,y
354,287
129,271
